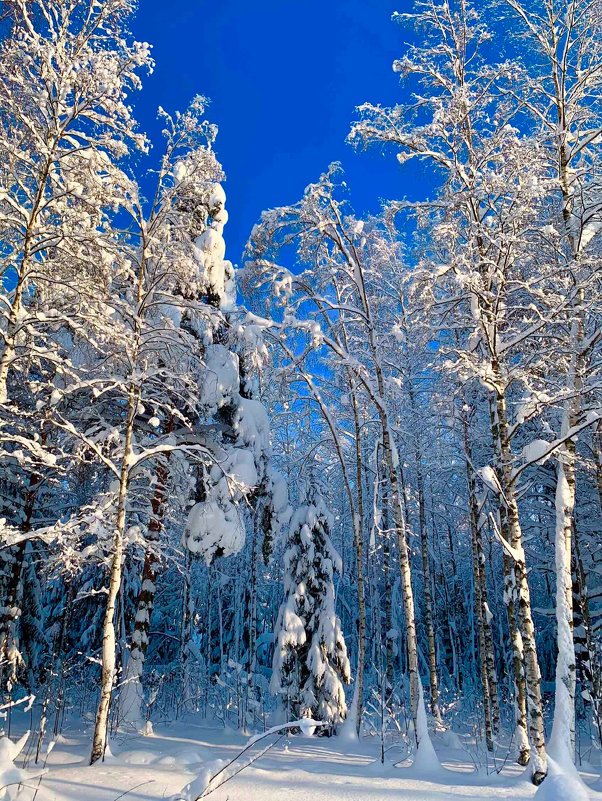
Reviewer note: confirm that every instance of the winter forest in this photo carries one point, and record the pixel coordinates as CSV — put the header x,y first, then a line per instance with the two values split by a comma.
x,y
324,522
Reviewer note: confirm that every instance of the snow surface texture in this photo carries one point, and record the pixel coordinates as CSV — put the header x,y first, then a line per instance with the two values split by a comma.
x,y
302,768
11,775
562,785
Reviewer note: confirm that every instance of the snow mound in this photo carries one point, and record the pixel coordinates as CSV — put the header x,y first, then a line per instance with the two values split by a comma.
x,y
191,756
560,785
138,757
166,761
198,786
347,732
426,761
10,775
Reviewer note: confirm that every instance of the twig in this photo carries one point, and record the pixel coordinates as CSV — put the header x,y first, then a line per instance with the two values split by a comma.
x,y
252,742
135,787
208,790
19,783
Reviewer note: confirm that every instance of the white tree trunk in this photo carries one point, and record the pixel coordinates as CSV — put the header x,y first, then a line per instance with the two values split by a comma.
x,y
485,637
518,589
358,542
109,645
562,740
405,576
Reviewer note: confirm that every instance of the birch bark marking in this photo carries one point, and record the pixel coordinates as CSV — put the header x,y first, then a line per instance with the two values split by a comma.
x,y
107,677
485,637
510,600
520,589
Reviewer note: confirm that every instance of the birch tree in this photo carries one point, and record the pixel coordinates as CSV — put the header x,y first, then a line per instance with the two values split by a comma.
x,y
65,125
334,243
563,96
468,137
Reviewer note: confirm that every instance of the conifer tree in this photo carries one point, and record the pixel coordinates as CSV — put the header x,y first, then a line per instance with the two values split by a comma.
x,y
310,660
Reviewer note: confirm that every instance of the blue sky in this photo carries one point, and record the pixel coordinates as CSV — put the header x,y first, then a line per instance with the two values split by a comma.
x,y
284,77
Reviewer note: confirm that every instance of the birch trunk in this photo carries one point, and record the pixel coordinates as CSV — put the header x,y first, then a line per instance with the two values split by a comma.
x,y
358,539
562,739
591,672
485,635
358,542
388,587
520,688
107,676
563,728
131,696
426,572
405,573
518,588
428,595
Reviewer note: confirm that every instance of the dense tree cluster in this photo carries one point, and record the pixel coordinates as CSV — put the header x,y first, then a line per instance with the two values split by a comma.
x,y
422,386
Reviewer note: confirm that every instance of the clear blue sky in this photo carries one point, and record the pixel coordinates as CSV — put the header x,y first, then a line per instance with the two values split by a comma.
x,y
284,77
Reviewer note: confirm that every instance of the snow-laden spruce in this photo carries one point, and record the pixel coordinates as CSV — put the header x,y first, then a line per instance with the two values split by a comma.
x,y
225,440
310,658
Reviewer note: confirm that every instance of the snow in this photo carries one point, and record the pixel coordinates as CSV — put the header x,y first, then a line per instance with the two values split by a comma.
x,y
590,230
211,528
210,250
279,496
562,785
489,478
239,470
197,786
220,381
252,426
11,776
426,762
186,754
537,451
131,696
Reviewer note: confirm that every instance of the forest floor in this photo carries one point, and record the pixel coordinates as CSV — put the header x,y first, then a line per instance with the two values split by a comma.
x,y
302,769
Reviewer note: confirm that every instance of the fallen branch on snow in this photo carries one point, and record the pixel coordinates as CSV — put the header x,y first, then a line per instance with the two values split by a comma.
x,y
204,786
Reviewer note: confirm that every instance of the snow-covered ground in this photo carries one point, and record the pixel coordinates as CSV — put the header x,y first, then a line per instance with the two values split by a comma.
x,y
159,766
